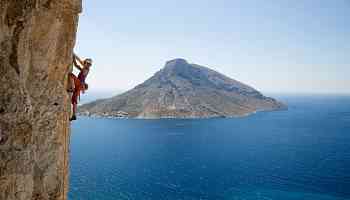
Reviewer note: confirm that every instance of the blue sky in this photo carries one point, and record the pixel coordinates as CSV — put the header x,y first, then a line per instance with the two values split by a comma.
x,y
275,46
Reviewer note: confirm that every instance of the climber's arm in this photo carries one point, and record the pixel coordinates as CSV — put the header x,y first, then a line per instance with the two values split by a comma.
x,y
79,60
75,58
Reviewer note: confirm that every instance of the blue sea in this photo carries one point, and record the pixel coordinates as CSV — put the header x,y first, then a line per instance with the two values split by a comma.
x,y
302,153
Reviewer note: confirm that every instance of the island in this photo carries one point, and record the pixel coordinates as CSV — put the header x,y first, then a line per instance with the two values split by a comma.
x,y
184,90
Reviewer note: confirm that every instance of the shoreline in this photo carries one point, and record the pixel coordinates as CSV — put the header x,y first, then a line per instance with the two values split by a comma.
x,y
101,116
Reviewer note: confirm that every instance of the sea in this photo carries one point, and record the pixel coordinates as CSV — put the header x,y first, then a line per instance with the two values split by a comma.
x,y
302,153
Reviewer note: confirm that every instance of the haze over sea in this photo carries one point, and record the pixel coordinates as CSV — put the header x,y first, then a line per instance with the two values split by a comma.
x,y
299,154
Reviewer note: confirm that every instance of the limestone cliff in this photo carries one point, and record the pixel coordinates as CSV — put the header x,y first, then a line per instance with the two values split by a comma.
x,y
36,43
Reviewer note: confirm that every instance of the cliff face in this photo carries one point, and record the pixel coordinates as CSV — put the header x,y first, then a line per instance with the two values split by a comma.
x,y
185,90
36,43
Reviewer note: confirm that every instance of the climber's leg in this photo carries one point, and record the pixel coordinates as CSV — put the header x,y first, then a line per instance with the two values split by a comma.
x,y
71,84
74,104
75,97
74,117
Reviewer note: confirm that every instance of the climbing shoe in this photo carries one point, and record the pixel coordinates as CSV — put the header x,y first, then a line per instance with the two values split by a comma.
x,y
73,118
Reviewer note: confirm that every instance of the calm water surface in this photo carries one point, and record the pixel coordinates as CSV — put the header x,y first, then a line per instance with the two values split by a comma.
x,y
299,154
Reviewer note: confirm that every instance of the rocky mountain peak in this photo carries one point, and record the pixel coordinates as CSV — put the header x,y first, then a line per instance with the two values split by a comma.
x,y
178,62
176,66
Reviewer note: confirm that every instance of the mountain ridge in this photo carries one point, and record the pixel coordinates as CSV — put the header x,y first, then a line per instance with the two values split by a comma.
x,y
183,90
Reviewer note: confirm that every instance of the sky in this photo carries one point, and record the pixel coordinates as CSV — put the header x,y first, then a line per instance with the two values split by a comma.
x,y
275,46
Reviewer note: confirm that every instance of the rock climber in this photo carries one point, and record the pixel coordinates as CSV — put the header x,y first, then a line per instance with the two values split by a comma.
x,y
78,84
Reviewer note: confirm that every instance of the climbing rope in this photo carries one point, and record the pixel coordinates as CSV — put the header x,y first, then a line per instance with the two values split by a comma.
x,y
64,165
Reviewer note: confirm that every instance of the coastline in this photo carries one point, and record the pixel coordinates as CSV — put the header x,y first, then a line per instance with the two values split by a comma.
x,y
109,116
